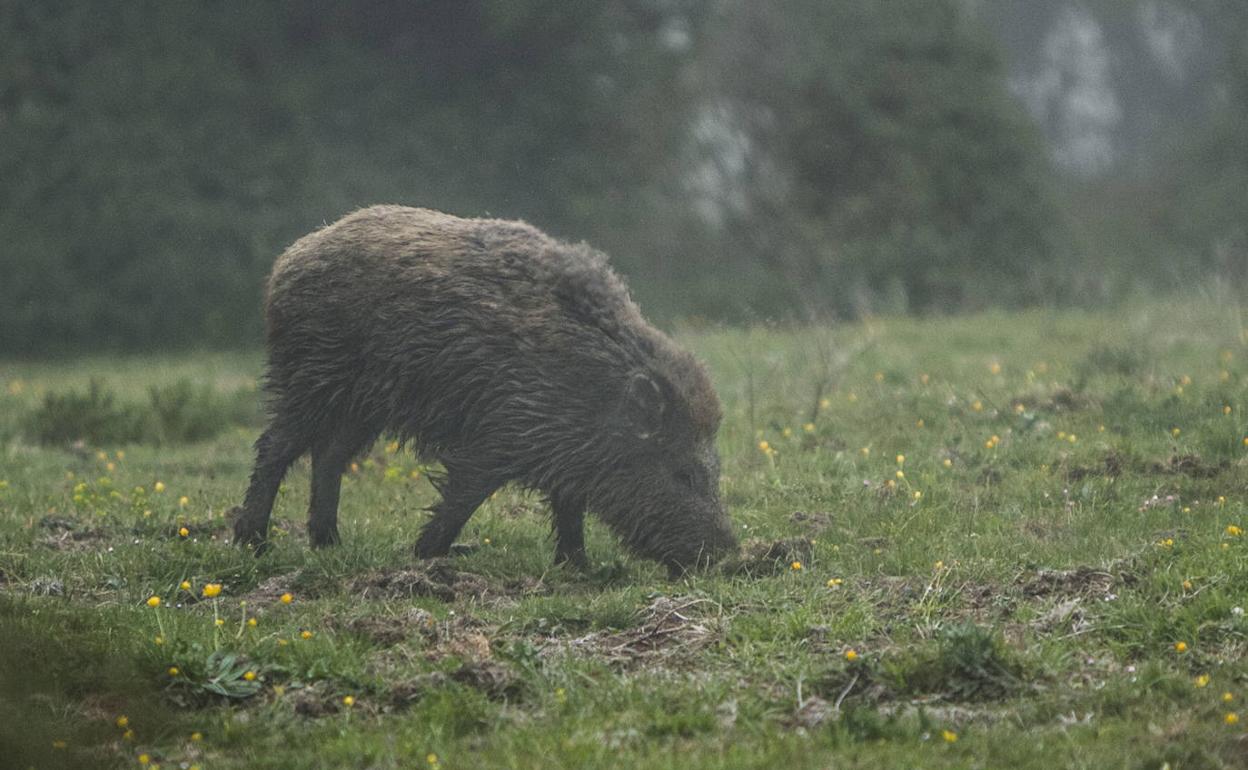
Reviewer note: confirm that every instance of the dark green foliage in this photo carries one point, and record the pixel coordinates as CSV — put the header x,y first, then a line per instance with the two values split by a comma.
x,y
155,159
968,662
177,413
55,657
224,674
914,181
184,412
93,416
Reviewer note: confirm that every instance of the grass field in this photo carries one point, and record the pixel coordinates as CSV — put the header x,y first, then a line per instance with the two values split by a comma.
x,y
1007,540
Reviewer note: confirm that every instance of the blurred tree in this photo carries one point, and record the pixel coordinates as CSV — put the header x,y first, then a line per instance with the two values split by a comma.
x,y
736,159
884,163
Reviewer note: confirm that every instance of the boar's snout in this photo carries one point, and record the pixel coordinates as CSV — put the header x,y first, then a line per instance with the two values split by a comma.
x,y
713,541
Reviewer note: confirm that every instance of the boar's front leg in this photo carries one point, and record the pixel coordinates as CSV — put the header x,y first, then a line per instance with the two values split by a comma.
x,y
462,492
569,515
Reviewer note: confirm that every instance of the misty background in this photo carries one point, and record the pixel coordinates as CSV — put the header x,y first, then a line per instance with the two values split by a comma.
x,y
738,160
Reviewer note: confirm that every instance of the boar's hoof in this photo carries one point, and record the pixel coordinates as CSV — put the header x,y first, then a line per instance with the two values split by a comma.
x,y
322,538
574,560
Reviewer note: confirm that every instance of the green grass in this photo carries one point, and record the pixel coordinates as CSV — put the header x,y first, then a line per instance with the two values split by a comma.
x,y
1026,596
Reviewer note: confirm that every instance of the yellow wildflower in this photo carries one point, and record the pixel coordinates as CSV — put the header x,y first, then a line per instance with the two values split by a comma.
x,y
1233,530
159,486
1180,646
251,622
1231,718
809,427
173,671
183,501
196,737
211,590
185,585
183,532
287,598
305,634
851,655
348,701
797,565
835,582
153,601
1202,680
949,736
250,676
901,459
122,721
1227,697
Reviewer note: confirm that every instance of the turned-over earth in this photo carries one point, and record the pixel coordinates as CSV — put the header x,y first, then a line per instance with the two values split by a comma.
x,y
503,354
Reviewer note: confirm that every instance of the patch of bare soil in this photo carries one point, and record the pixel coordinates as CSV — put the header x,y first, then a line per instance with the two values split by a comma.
x,y
1081,581
270,591
814,521
767,557
495,680
1111,466
68,534
440,580
391,629
315,700
668,628
1190,465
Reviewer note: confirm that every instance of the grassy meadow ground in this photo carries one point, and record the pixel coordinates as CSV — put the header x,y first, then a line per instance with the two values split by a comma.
x,y
1005,540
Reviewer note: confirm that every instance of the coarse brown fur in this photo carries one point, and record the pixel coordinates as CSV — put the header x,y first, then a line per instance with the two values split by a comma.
x,y
505,355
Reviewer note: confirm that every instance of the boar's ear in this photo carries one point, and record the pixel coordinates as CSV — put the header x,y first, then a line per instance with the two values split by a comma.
x,y
644,405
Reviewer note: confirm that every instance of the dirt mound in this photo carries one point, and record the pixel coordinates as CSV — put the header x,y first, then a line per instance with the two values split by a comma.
x,y
67,534
392,629
437,580
1081,581
668,627
767,557
1190,465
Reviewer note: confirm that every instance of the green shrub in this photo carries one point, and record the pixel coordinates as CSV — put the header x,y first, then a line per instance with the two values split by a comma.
x,y
94,417
180,412
969,662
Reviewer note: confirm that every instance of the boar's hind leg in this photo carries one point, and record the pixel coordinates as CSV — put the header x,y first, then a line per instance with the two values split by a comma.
x,y
461,494
276,449
329,460
569,517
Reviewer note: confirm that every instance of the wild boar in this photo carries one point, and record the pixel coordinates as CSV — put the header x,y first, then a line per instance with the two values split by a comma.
x,y
501,353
